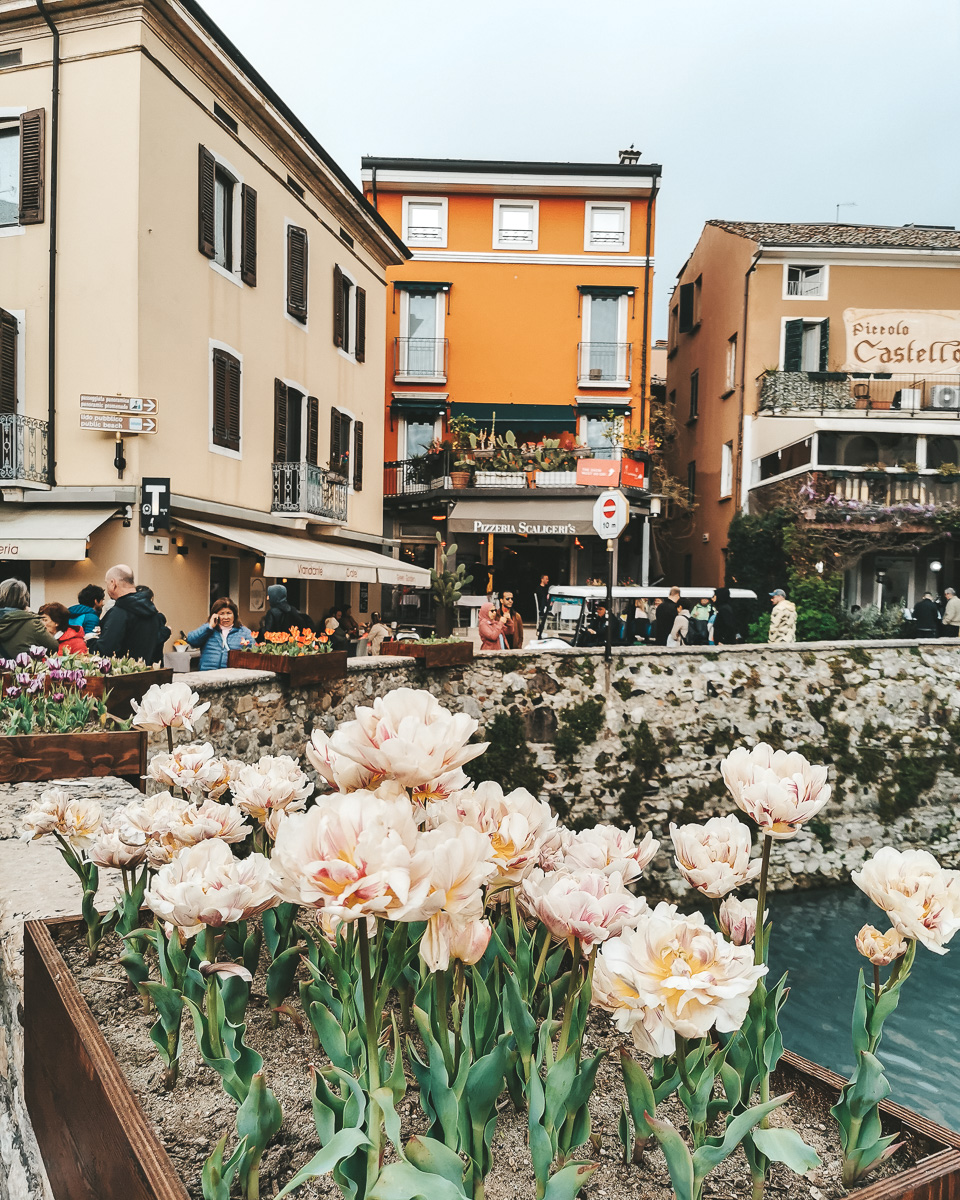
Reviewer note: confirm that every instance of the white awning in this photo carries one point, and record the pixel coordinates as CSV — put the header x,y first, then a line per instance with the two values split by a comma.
x,y
55,534
304,558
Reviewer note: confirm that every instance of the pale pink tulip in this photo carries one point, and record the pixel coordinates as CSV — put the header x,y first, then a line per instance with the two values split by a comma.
x,y
608,849
921,898
586,906
738,920
205,885
168,705
275,783
714,857
779,791
448,937
194,769
463,864
120,846
77,820
615,991
880,948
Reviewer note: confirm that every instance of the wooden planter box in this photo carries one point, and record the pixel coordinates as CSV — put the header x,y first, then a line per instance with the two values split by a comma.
x,y
300,669
39,757
447,654
96,1141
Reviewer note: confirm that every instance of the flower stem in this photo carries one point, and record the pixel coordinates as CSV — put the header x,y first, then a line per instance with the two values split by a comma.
x,y
542,961
568,1004
515,918
440,979
374,1120
876,982
213,995
759,940
681,1056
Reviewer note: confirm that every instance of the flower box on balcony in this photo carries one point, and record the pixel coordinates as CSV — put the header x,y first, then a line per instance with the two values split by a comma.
x,y
432,654
557,479
41,757
300,669
501,479
96,1139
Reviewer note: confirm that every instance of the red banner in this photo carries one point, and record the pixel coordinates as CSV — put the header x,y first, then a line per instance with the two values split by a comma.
x,y
632,473
598,472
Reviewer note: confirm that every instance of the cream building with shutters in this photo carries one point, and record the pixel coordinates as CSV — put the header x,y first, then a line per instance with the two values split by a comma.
x,y
171,232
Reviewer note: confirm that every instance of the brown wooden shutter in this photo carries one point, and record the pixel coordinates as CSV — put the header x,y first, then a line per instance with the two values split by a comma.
x,y
233,404
207,204
336,451
219,398
32,167
297,272
360,349
248,236
279,421
337,307
8,363
313,430
358,457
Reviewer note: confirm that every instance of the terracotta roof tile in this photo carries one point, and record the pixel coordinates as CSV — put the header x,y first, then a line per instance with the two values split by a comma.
x,y
826,233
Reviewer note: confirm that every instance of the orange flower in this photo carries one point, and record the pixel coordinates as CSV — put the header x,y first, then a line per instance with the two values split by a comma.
x,y
294,631
322,638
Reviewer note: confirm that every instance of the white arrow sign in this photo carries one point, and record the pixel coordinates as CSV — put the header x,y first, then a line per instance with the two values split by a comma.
x,y
611,514
119,404
118,422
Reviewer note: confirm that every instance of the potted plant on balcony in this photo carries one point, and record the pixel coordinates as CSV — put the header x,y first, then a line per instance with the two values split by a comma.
x,y
556,467
507,468
460,475
417,474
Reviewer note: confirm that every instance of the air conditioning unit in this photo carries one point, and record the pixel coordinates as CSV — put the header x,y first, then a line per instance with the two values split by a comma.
x,y
945,395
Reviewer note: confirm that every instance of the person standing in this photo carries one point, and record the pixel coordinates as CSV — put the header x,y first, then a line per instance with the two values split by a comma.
x,y
950,621
490,625
85,614
56,621
19,627
927,617
132,627
541,594
783,618
336,638
698,633
513,622
281,616
666,615
725,620
681,627
222,633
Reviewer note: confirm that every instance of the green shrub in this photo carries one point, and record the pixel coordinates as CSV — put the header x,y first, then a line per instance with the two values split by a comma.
x,y
579,726
509,760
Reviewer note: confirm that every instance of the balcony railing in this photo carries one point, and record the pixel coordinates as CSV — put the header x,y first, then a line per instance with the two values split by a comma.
x,y
604,363
23,449
300,487
420,359
824,392
435,472
885,488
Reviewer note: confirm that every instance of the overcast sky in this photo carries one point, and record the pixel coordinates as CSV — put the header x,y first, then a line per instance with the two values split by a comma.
x,y
756,109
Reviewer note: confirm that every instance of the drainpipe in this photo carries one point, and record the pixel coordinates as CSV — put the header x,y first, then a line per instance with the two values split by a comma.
x,y
738,474
646,305
373,185
52,283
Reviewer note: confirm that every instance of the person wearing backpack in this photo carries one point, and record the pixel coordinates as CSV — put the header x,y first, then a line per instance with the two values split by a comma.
x,y
681,626
134,626
698,633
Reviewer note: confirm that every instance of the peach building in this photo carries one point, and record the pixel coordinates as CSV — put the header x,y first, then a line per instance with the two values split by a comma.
x,y
171,235
526,307
823,357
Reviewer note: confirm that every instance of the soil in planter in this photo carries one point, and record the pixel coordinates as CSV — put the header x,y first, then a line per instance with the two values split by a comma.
x,y
191,1119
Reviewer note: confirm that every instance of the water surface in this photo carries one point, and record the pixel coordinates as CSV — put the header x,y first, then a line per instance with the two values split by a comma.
x,y
813,939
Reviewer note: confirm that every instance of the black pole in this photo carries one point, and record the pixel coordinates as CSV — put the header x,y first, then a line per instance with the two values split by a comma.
x,y
52,280
608,654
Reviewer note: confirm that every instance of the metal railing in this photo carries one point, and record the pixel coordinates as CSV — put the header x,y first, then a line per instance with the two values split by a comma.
x,y
886,488
604,362
429,473
420,358
424,233
300,487
831,391
23,448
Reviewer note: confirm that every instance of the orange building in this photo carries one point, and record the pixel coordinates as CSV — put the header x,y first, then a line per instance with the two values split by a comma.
x,y
524,314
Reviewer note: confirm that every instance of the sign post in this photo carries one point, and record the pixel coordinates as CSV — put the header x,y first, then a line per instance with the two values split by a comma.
x,y
610,516
154,505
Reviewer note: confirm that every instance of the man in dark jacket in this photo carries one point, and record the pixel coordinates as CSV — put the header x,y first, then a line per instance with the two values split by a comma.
x,y
281,616
927,617
132,627
725,622
666,615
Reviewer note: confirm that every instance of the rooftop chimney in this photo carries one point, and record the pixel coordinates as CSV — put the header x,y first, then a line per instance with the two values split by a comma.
x,y
629,158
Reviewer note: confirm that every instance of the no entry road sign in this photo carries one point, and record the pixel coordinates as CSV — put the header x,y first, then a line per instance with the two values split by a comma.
x,y
611,514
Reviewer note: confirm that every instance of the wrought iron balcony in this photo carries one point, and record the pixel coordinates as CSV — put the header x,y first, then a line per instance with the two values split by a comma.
x,y
300,487
604,364
420,360
825,392
23,449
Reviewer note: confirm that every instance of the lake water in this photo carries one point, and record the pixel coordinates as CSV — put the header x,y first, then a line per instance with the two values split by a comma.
x,y
813,936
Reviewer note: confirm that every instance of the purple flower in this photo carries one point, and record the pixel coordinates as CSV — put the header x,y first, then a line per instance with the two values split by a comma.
x,y
57,697
105,666
34,686
37,652
22,659
22,678
13,692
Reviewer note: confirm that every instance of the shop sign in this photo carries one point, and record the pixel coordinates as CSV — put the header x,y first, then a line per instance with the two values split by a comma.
x,y
632,473
598,472
902,341
154,505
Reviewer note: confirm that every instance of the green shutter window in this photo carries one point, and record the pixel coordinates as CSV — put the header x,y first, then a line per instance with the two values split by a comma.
x,y
793,346
824,343
338,313
313,430
360,346
335,448
297,272
226,400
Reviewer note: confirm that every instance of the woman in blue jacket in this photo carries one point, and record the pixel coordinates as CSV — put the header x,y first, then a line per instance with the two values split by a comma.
x,y
221,634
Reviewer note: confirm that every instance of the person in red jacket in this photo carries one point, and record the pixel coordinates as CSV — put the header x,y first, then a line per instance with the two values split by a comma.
x,y
56,619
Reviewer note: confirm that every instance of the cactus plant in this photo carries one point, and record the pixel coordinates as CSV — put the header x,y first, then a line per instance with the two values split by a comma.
x,y
447,586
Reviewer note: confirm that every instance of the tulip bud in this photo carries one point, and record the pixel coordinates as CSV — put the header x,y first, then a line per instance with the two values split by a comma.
x,y
880,948
738,920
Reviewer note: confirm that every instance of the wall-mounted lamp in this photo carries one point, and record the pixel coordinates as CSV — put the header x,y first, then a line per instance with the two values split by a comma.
x,y
936,566
182,549
655,506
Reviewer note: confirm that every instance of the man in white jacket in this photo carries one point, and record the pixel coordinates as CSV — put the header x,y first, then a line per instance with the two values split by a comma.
x,y
950,621
783,618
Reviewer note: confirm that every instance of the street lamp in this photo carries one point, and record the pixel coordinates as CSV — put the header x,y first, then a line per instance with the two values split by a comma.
x,y
936,566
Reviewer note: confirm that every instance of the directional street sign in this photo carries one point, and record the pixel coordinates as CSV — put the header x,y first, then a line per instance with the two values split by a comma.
x,y
109,422
611,514
119,404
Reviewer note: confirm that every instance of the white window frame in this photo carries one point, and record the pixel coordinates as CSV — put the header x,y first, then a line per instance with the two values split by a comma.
x,y
235,223
404,421
303,326
15,229
438,244
726,470
783,333
731,364
348,352
622,318
534,206
824,270
212,345
588,232
440,299
584,416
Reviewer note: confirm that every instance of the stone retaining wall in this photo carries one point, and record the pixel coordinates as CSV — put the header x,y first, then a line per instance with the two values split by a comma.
x,y
640,743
